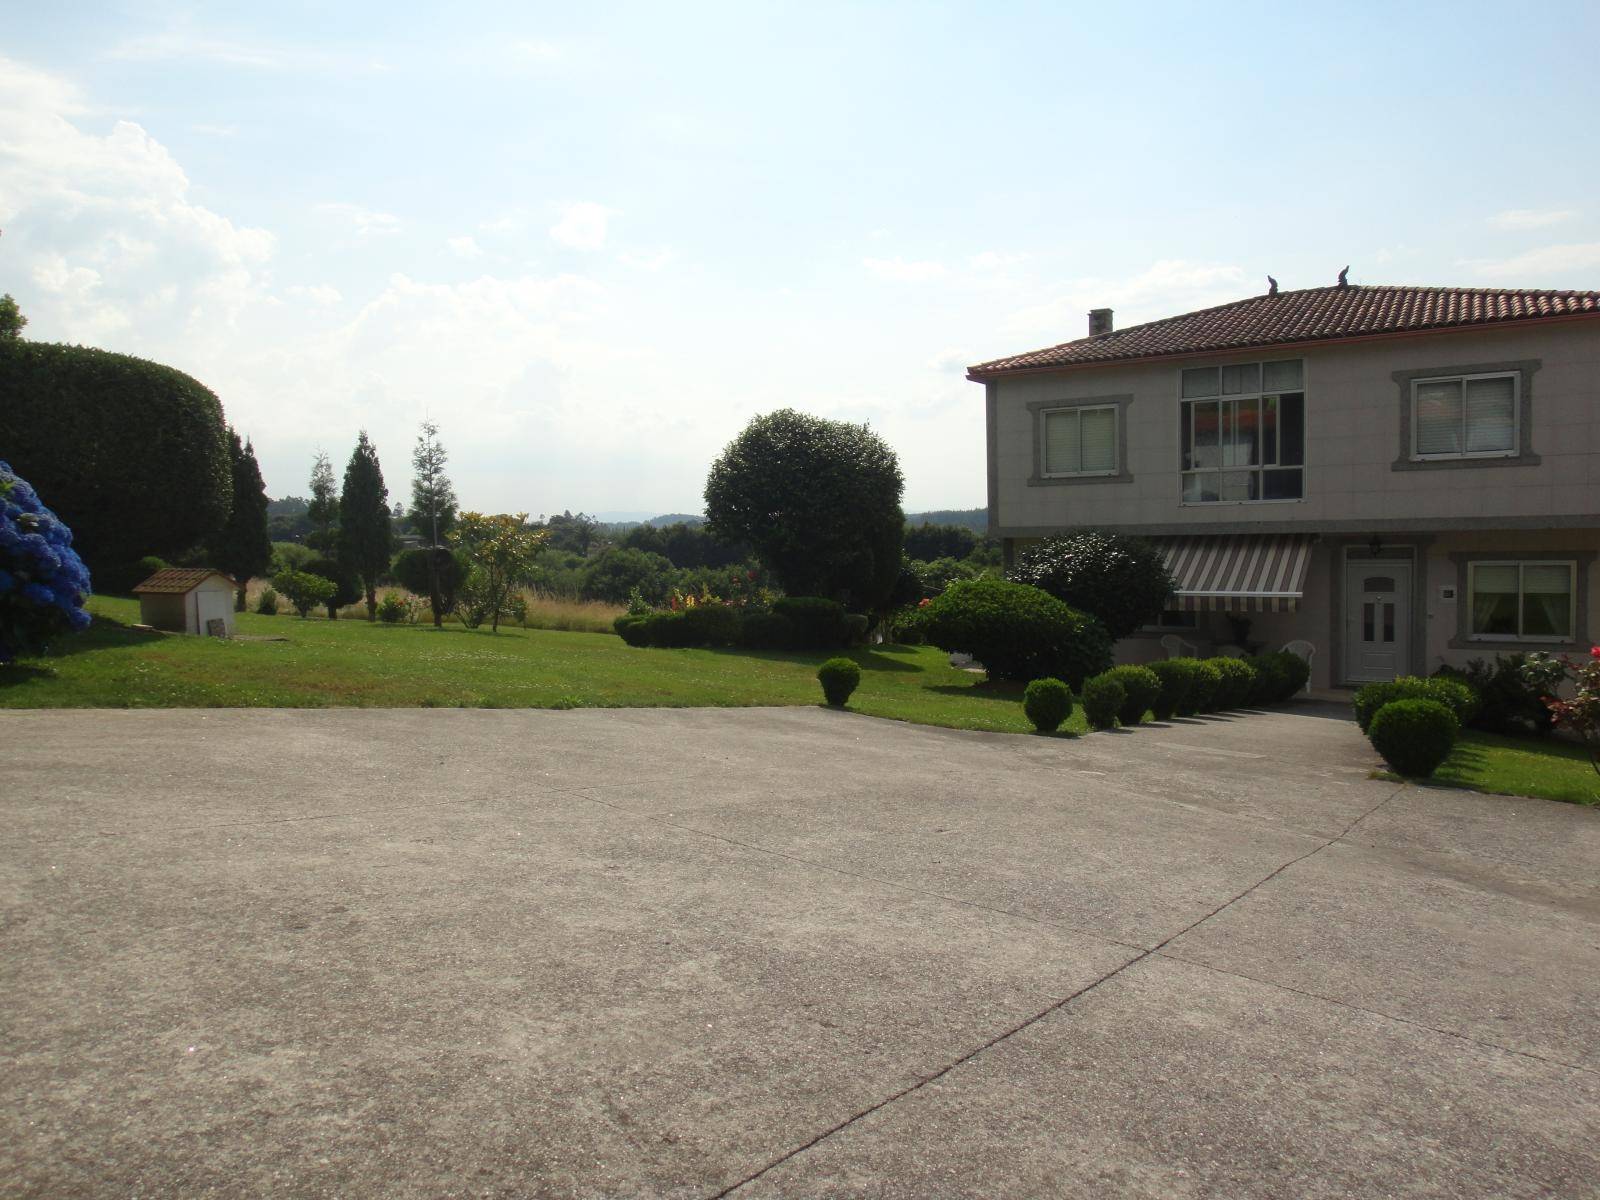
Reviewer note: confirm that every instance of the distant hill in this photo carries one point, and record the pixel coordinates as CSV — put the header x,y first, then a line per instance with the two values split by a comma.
x,y
975,519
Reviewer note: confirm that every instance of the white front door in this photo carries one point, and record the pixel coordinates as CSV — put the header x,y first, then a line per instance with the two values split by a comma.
x,y
1377,619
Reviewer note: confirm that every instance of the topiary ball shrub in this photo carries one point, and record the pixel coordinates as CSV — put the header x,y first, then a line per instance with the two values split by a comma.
x,y
303,590
1047,703
267,603
1103,697
1140,687
1238,678
1273,679
43,583
1017,632
1180,688
1297,672
1207,691
839,677
819,624
1452,693
1414,736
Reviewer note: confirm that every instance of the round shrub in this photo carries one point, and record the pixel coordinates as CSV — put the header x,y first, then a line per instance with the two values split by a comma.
x,y
133,455
346,586
1207,686
303,590
1120,580
392,609
767,631
1017,631
839,677
819,624
1297,671
1452,693
267,603
410,570
1414,736
43,583
1103,698
1238,678
1273,681
1046,703
1180,688
1140,687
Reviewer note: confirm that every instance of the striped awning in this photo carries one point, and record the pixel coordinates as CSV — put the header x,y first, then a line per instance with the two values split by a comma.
x,y
1243,573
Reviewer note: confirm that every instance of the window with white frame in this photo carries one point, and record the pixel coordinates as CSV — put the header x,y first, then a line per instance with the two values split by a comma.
x,y
1531,601
1080,441
1242,430
1464,416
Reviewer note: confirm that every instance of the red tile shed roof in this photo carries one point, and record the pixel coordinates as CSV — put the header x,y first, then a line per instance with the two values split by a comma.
x,y
177,581
1309,315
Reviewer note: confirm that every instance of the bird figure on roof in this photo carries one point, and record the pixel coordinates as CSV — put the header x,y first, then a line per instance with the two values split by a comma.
x,y
1344,280
1272,286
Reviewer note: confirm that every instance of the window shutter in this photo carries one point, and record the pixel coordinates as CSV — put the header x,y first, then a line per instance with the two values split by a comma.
x,y
1491,415
1438,417
1098,435
1061,449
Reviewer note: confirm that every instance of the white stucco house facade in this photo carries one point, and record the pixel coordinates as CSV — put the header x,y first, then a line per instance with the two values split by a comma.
x,y
1402,477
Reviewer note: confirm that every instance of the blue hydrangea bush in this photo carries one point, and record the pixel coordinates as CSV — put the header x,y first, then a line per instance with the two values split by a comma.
x,y
43,582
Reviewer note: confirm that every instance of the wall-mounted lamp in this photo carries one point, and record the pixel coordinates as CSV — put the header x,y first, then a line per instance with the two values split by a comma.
x,y
1375,546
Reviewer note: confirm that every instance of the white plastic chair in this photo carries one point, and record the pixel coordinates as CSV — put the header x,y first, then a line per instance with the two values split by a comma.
x,y
1176,647
1302,649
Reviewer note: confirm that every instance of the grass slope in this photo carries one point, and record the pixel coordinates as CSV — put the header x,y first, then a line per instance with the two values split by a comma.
x,y
348,662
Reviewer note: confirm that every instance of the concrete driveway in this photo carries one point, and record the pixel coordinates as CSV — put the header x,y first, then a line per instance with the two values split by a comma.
x,y
779,953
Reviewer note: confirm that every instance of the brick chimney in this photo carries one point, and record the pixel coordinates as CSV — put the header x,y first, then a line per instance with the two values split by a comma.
x,y
1099,321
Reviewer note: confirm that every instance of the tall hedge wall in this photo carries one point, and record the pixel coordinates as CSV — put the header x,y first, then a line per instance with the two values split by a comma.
x,y
133,455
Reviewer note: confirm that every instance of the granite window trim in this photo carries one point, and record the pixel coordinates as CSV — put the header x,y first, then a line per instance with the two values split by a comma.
x,y
1036,411
1524,368
1464,638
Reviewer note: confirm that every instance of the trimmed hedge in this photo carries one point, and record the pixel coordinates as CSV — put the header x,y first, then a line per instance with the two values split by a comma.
x,y
1414,736
133,455
839,677
1140,687
1280,676
819,624
768,631
1207,686
1017,631
1452,693
1238,678
1047,703
1103,697
1180,688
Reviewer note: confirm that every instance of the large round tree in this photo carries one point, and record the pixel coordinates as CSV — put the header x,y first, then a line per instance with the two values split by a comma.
x,y
819,501
1118,579
133,455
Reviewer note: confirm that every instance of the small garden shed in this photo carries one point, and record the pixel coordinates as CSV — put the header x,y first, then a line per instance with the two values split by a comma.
x,y
194,600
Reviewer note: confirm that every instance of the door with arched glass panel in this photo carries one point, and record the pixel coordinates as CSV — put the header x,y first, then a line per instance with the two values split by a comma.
x,y
1377,619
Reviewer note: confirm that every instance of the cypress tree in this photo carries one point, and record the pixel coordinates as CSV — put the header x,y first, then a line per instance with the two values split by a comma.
x,y
242,547
433,506
365,539
323,510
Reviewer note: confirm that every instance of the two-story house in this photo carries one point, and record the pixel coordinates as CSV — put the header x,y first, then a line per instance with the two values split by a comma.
x,y
1400,476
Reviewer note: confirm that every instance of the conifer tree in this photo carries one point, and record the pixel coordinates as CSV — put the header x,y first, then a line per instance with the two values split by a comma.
x,y
433,506
323,510
242,547
365,539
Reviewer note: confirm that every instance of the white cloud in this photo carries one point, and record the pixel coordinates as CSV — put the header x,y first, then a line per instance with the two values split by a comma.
x,y
323,295
465,246
655,261
992,260
899,270
500,225
104,225
1548,266
366,222
1531,218
583,226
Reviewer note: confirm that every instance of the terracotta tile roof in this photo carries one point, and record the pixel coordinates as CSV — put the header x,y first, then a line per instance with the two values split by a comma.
x,y
178,580
1309,315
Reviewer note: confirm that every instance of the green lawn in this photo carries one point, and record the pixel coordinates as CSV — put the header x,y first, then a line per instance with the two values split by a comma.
x,y
1542,767
322,663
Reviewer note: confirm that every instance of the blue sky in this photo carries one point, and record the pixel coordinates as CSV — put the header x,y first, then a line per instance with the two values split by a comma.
x,y
592,241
